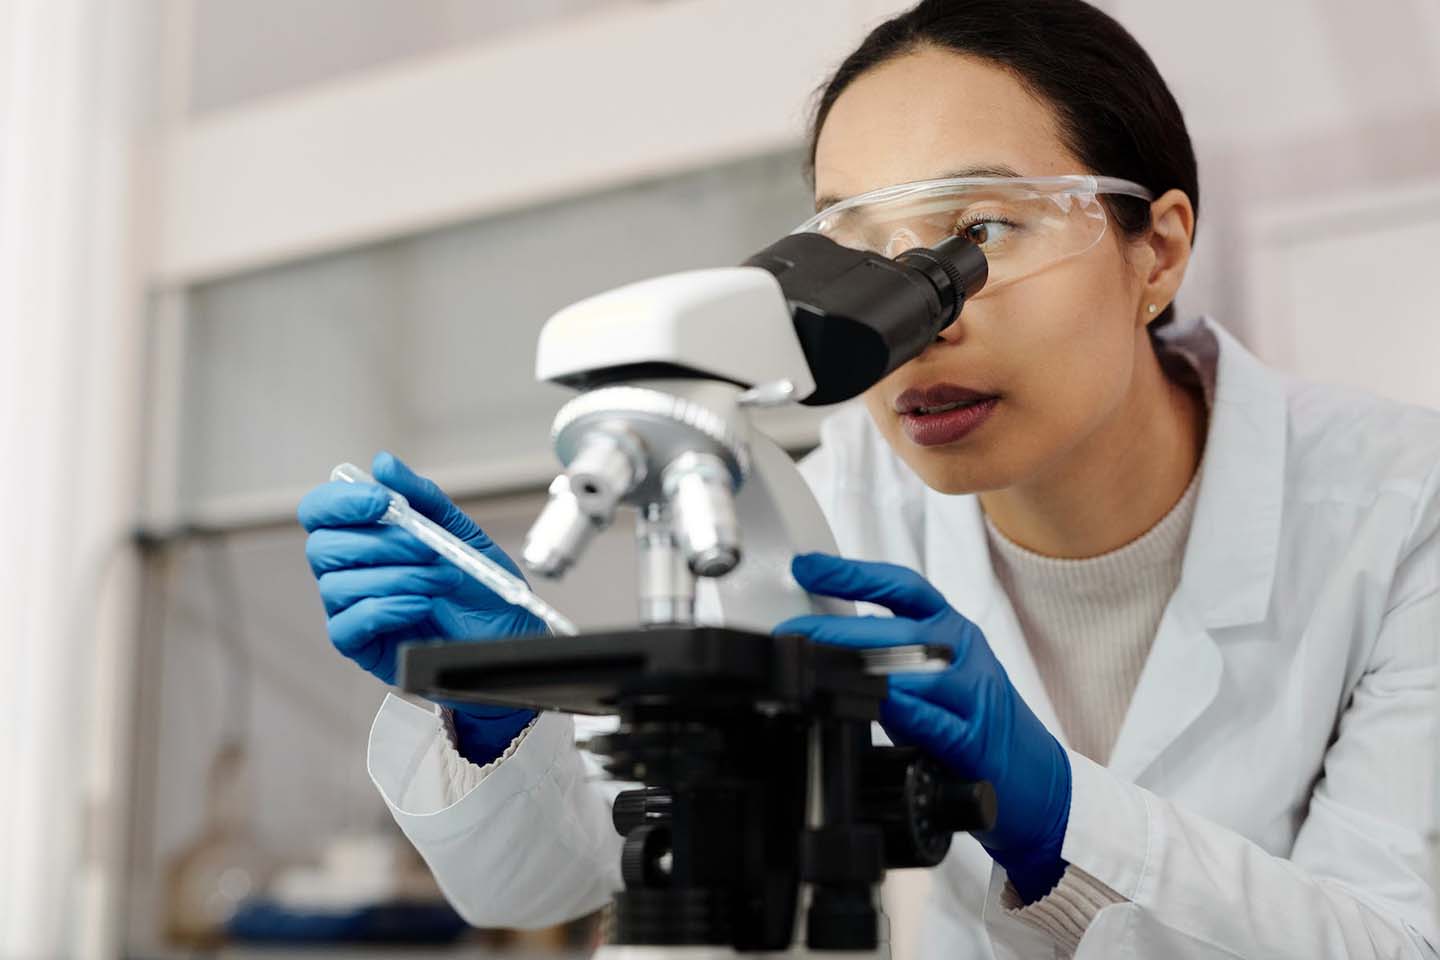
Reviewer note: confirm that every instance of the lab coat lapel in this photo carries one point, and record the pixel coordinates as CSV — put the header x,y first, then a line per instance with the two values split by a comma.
x,y
1180,679
1229,563
957,561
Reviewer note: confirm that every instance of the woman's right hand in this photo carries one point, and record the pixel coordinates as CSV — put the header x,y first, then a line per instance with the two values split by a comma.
x,y
381,587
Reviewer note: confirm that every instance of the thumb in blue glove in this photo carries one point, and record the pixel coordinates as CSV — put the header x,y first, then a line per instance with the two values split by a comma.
x,y
381,587
968,716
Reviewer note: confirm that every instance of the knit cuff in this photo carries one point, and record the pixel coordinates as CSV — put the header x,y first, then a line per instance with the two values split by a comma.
x,y
1066,911
461,774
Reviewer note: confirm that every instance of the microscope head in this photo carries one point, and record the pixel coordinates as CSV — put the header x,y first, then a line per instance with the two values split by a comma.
x,y
663,364
667,366
730,324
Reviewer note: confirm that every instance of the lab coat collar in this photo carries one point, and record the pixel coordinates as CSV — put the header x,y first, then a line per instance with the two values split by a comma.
x,y
1228,568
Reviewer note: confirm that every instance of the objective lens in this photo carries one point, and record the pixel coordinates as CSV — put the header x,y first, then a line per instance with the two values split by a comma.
x,y
702,509
560,533
608,466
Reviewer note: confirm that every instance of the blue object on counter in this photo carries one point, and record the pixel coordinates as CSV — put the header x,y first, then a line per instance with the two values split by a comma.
x,y
265,921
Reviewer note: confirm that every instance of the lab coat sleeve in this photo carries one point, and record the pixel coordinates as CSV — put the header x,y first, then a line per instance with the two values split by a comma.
x,y
525,841
1358,882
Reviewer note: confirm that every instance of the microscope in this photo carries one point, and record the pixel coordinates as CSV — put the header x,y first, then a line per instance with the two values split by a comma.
x,y
762,798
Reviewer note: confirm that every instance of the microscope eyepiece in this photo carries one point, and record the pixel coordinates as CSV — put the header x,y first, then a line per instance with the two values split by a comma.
x,y
955,266
858,315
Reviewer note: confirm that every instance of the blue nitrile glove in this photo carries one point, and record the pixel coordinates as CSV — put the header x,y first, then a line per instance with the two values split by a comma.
x,y
968,716
382,588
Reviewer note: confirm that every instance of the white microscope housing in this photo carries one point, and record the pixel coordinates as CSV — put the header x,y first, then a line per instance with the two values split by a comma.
x,y
669,434
669,367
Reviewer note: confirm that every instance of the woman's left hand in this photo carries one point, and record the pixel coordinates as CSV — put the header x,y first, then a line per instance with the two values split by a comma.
x,y
968,716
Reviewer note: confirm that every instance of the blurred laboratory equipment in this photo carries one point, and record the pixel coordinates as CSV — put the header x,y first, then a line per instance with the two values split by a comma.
x,y
208,878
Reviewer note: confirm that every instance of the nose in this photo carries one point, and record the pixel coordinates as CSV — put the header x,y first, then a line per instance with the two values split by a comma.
x,y
954,332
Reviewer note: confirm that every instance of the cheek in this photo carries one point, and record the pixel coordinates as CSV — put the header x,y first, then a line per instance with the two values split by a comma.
x,y
1059,348
1067,345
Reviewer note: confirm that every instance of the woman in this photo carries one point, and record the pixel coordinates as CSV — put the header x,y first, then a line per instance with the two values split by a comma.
x,y
1215,593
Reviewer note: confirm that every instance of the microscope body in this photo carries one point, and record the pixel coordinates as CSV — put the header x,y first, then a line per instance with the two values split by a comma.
x,y
670,368
761,787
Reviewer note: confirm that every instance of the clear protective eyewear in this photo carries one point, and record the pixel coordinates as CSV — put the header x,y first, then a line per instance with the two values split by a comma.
x,y
1023,225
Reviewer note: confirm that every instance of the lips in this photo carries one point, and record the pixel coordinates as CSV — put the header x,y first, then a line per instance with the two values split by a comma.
x,y
943,413
937,398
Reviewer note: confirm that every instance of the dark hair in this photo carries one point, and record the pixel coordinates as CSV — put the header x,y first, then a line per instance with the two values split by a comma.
x,y
1115,112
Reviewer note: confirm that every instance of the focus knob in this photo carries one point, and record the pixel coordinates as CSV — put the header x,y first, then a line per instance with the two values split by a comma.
x,y
635,808
646,858
919,805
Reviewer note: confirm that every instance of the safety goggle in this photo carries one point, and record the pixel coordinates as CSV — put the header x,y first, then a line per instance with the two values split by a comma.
x,y
1023,225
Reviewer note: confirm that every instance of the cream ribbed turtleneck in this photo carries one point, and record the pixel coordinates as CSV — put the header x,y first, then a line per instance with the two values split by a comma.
x,y
1089,623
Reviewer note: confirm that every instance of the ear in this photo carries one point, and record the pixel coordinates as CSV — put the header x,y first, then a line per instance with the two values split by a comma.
x,y
1172,225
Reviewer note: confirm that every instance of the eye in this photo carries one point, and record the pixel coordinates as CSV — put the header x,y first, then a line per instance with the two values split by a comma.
x,y
983,231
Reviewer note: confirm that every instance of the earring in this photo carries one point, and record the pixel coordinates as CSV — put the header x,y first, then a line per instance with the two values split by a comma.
x,y
1152,308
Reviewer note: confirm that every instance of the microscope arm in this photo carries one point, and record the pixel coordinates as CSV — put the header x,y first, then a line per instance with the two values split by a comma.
x,y
781,518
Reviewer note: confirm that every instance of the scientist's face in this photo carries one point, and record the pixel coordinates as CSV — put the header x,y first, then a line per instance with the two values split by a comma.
x,y
1058,349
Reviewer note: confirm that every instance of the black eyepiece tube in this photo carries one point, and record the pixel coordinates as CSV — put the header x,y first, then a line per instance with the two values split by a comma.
x,y
955,265
859,315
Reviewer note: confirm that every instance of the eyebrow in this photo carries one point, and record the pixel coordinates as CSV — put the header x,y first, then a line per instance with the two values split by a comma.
x,y
995,170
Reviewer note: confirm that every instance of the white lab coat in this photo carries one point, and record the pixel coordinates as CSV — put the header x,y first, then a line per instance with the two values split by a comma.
x,y
1271,786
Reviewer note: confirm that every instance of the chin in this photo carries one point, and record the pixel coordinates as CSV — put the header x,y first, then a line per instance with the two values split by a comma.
x,y
953,475
946,470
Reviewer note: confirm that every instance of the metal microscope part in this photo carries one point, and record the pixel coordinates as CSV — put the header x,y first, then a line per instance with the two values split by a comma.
x,y
908,658
702,508
617,443
666,585
775,393
667,420
559,534
609,464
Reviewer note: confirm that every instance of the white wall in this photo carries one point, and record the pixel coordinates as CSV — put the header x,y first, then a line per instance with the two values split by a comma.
x,y
74,109
1295,105
240,52
1345,290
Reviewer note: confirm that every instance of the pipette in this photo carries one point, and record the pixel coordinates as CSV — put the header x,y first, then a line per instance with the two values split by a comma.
x,y
506,585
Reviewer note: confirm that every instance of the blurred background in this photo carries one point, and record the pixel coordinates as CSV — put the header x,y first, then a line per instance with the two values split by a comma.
x,y
244,240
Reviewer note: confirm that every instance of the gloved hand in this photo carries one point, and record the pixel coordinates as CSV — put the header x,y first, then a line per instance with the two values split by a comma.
x,y
382,587
967,716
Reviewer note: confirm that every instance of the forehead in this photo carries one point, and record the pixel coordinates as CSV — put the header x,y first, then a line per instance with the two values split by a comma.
x,y
933,113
